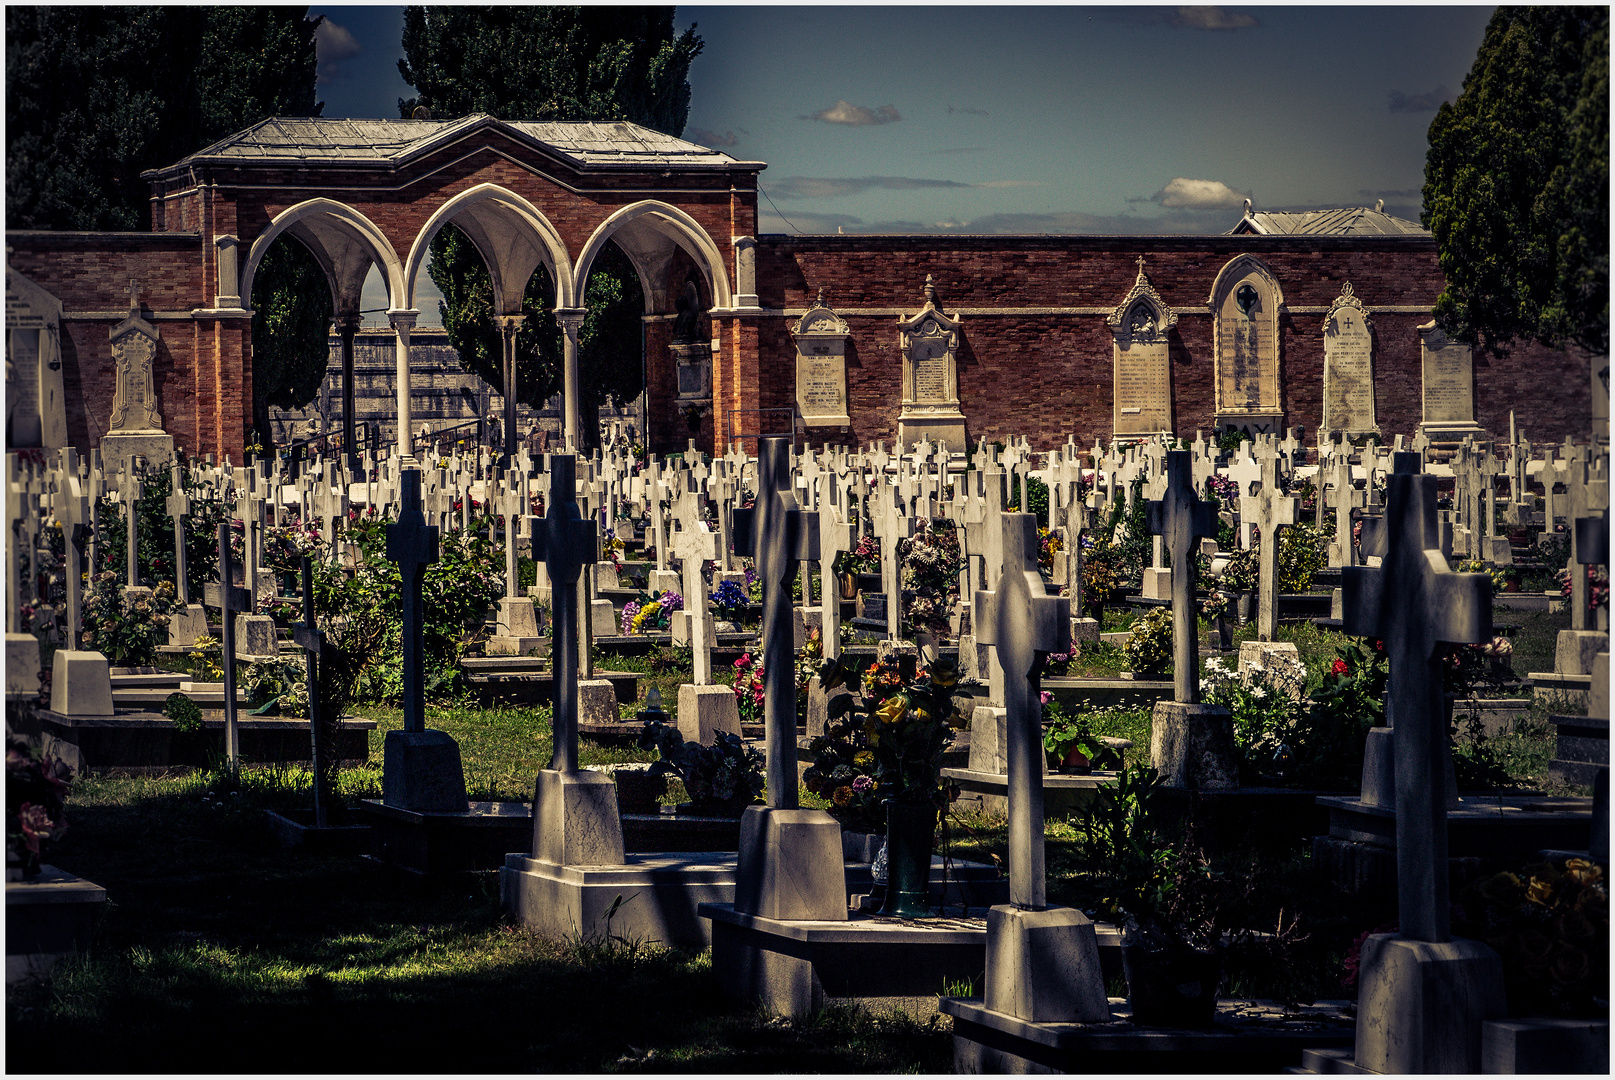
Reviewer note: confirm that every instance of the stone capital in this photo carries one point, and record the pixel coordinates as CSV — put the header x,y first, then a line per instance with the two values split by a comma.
x,y
570,320
348,323
510,323
403,320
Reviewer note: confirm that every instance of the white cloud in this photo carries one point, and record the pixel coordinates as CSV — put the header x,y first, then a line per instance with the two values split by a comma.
x,y
703,137
1213,18
845,113
1181,193
332,45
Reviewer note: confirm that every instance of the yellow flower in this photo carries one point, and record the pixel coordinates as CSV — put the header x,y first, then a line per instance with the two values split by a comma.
x,y
921,715
944,677
842,795
892,710
863,759
1582,872
1539,891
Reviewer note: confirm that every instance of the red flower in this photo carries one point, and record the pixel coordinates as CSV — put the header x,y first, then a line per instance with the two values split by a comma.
x,y
36,825
1338,667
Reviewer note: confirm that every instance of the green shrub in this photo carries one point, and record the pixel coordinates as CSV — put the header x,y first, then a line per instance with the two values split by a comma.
x,y
186,714
1149,649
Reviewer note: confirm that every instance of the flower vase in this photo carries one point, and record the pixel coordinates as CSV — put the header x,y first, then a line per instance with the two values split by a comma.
x,y
1172,987
1225,634
1076,763
1246,606
910,831
849,587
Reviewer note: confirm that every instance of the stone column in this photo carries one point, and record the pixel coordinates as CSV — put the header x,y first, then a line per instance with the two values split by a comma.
x,y
347,325
403,322
571,322
508,326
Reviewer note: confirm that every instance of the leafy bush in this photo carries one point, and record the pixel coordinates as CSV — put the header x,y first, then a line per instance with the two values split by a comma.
x,y
186,714
1037,499
1267,708
155,554
126,633
1302,553
1149,649
930,563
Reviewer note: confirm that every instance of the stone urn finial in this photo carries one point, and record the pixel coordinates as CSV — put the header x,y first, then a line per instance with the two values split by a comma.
x,y
930,291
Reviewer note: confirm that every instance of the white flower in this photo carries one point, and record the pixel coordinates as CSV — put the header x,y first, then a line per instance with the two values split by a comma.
x,y
1259,692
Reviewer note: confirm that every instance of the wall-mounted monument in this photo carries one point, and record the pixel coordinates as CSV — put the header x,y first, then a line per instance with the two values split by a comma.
x,y
1142,383
36,410
821,366
135,427
1245,301
929,343
1449,387
692,351
1348,367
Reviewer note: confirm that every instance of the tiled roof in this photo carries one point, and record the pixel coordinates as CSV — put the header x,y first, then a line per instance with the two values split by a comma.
x,y
304,140
1349,221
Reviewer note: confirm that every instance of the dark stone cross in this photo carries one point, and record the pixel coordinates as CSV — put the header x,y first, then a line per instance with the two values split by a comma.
x,y
777,534
564,542
229,599
412,544
1415,605
310,639
1181,518
1024,625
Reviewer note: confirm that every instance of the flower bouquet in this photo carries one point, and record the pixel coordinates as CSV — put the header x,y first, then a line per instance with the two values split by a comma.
x,y
36,790
721,779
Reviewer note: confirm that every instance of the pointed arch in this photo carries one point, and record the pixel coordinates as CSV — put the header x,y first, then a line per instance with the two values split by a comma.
x,y
677,226
1236,269
512,236
342,239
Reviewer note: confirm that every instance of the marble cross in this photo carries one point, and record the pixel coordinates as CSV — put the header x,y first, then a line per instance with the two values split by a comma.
x,y
694,545
835,536
777,535
565,543
332,505
178,505
413,545
1269,510
73,510
1024,625
129,488
1244,471
1416,605
1343,499
230,599
892,525
1181,519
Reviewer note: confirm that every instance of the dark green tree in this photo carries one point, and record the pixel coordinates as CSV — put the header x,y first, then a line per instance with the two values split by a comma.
x,y
548,63
96,95
1516,184
291,317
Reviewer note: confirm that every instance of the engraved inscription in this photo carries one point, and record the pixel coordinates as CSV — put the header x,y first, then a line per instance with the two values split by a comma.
x,y
1348,401
931,380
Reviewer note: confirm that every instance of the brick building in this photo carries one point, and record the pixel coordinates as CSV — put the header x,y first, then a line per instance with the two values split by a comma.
x,y
1040,335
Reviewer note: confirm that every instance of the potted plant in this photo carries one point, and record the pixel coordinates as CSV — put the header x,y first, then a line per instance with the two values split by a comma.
x,y
863,560
902,717
1239,578
1149,648
722,779
1070,742
36,793
1215,609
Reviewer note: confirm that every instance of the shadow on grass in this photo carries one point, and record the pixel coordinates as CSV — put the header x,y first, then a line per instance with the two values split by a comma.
x,y
223,953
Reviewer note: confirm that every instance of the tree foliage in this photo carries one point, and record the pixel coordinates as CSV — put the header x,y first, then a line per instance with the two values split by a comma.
x,y
548,63
291,316
95,95
1517,184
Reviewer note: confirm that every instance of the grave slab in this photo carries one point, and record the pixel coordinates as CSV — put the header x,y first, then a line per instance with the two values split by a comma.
x,y
49,918
81,684
706,710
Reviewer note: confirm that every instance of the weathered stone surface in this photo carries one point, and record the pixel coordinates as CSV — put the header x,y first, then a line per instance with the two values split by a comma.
x,y
1576,650
1043,966
255,636
1544,1045
1421,1004
81,684
186,624
706,710
597,702
421,772
22,664
1192,746
790,865
575,819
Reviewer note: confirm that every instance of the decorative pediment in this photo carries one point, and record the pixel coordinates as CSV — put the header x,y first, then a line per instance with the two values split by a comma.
x,y
931,322
134,353
820,320
1142,315
1346,299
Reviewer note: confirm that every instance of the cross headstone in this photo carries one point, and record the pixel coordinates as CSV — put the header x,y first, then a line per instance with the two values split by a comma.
x,y
229,599
565,543
74,513
835,536
1182,518
1269,510
777,535
129,494
695,544
1415,605
310,639
1024,625
413,545
892,525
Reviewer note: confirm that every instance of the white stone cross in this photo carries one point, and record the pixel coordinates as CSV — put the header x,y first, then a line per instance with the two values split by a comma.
x,y
1024,625
694,545
129,488
1183,519
892,524
73,510
1244,471
1269,510
1343,499
332,505
178,505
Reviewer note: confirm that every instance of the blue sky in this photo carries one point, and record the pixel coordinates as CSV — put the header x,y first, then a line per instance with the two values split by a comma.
x,y
1036,119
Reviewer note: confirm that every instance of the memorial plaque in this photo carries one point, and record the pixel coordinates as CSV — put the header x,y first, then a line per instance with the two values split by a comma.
x,y
929,342
1449,379
821,366
930,380
1348,372
1247,347
1142,381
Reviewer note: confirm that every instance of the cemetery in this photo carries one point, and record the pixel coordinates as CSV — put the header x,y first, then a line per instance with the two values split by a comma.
x,y
1228,696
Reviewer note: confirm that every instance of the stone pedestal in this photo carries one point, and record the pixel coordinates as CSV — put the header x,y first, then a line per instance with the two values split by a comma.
x,y
989,740
1421,1005
22,666
818,710
790,865
81,683
255,637
1083,632
421,772
575,819
974,658
117,449
1157,584
1192,746
597,702
1043,966
518,631
186,624
721,576
605,575
706,710
889,650
679,626
48,919
1279,662
661,581
1576,650
603,619
655,896
1497,550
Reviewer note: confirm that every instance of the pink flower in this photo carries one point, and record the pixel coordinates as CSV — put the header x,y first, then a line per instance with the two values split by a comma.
x,y
1045,696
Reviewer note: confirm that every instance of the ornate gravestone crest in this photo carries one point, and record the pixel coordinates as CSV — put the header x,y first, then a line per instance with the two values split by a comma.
x,y
1142,387
929,343
134,349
